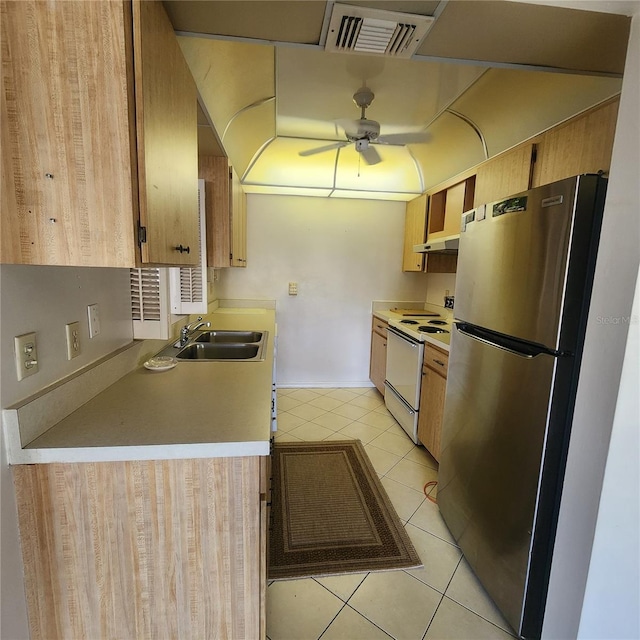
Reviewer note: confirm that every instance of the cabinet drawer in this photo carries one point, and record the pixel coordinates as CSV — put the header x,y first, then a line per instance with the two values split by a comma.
x,y
436,359
380,327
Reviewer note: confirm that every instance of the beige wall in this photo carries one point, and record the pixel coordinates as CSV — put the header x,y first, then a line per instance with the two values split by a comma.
x,y
343,254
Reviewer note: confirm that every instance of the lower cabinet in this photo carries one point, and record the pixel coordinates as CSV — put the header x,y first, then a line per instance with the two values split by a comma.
x,y
378,362
145,549
432,392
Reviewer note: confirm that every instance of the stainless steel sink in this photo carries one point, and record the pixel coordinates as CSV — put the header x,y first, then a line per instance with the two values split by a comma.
x,y
220,345
220,351
223,337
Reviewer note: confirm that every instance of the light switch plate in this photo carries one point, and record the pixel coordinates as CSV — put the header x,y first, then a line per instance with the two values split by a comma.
x,y
293,288
73,340
26,355
94,320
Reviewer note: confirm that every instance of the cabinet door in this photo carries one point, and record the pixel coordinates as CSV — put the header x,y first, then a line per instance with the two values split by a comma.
x,y
583,145
431,411
238,223
503,176
414,233
378,363
68,153
214,171
167,135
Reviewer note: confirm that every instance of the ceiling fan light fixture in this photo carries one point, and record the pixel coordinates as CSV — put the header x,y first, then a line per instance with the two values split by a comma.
x,y
361,30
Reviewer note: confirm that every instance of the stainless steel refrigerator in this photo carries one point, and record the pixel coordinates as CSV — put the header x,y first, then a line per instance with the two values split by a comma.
x,y
524,279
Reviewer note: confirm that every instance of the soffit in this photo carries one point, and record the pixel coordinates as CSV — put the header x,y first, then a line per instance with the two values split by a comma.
x,y
517,33
268,103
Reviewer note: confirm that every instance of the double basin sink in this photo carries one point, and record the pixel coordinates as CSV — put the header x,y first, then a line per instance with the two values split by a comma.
x,y
214,345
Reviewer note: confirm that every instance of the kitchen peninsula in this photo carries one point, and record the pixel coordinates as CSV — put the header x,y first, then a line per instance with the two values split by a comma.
x,y
147,516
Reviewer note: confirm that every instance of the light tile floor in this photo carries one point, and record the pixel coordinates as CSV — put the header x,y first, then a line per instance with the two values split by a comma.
x,y
443,601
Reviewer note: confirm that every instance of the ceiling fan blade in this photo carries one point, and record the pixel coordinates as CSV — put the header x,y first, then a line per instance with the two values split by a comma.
x,y
326,147
404,138
370,155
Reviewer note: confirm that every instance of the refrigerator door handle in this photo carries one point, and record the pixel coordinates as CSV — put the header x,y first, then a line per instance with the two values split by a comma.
x,y
517,348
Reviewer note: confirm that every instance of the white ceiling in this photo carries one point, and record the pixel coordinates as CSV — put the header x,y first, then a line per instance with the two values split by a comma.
x,y
270,99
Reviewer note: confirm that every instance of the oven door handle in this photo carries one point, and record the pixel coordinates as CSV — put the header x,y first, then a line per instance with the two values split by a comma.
x,y
403,336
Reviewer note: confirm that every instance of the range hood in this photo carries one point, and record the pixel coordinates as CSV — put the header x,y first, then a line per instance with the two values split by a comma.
x,y
448,244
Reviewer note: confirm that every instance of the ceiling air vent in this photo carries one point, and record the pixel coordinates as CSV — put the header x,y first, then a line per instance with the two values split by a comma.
x,y
375,32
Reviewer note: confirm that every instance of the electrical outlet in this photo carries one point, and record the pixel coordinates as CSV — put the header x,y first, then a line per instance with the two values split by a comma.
x,y
73,340
94,320
26,355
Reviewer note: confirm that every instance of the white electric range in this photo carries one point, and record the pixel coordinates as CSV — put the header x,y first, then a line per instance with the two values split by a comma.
x,y
405,353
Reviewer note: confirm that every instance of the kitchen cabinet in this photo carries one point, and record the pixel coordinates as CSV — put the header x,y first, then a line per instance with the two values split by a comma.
x,y
226,213
378,361
99,136
432,394
504,175
446,208
582,145
415,223
144,549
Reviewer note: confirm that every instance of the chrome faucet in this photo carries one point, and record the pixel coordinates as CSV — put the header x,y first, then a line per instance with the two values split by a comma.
x,y
187,330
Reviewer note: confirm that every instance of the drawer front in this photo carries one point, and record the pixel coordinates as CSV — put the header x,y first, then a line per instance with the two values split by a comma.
x,y
436,359
380,327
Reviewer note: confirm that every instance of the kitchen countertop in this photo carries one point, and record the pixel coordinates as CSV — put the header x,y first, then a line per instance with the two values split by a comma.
x,y
441,340
197,409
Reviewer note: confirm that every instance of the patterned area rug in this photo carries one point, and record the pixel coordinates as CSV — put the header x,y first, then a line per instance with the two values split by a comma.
x,y
331,515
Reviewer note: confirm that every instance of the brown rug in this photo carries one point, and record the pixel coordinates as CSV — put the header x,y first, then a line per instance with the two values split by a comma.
x,y
331,515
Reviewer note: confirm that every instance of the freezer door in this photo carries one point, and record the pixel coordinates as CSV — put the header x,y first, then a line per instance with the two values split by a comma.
x,y
514,276
494,434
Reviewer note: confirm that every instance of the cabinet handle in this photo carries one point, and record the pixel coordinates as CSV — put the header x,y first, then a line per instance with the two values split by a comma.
x,y
182,249
439,362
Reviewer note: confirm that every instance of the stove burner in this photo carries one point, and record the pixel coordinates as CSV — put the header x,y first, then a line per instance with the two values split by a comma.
x,y
409,322
425,329
437,322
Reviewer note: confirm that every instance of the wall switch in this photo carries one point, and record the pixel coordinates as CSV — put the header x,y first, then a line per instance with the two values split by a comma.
x,y
26,355
73,340
293,288
94,320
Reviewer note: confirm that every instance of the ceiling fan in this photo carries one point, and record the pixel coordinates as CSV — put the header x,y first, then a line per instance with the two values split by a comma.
x,y
363,132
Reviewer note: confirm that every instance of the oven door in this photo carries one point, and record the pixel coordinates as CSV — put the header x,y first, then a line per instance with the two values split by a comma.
x,y
404,366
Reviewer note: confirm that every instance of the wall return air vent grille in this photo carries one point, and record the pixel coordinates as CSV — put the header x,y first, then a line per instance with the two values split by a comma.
x,y
375,32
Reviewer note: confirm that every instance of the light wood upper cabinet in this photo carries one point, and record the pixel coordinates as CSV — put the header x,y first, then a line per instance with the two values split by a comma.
x,y
415,224
86,156
582,145
214,170
226,213
167,138
504,175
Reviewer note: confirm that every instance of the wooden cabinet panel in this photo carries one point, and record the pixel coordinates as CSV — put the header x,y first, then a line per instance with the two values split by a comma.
x,y
87,156
378,361
415,225
151,549
226,212
583,145
504,175
68,156
167,134
214,171
432,395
